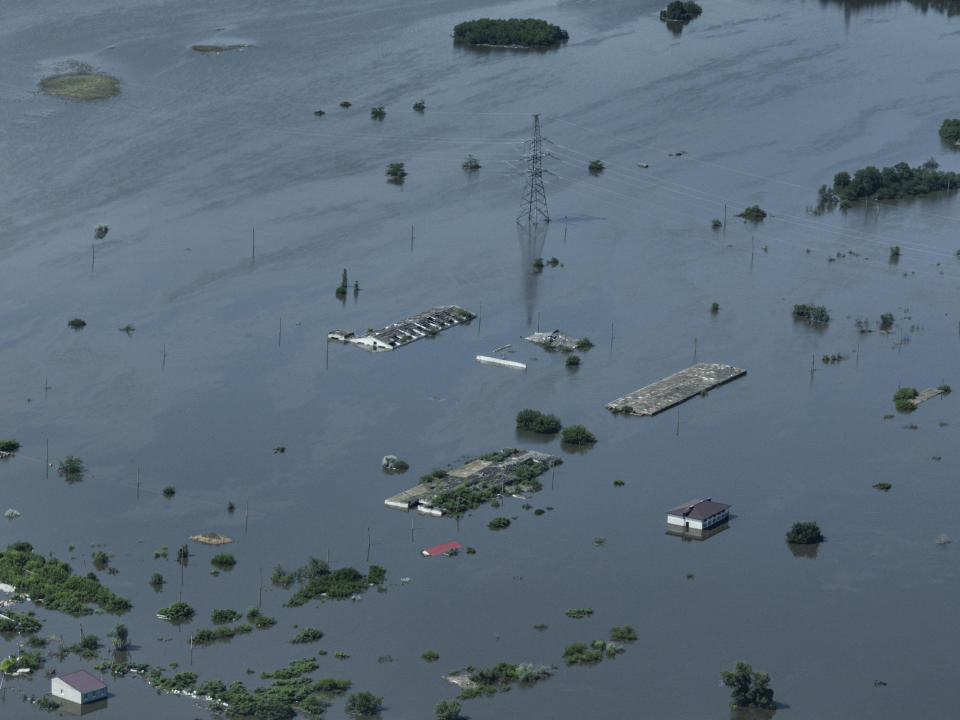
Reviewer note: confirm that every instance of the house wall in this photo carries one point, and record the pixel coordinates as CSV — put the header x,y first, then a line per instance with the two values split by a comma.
x,y
675,520
59,689
94,695
696,524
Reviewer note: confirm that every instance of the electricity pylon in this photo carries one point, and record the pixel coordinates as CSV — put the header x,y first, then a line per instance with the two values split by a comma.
x,y
533,209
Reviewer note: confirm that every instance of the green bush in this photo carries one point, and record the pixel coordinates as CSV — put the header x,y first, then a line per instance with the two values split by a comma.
x,y
903,399
71,468
527,33
811,313
447,710
430,655
623,634
579,613
714,307
538,422
577,435
678,11
753,213
169,491
572,361
176,612
223,560
804,533
378,113
222,615
748,688
596,167
9,446
77,323
579,653
420,106
950,130
307,635
499,523
470,163
363,703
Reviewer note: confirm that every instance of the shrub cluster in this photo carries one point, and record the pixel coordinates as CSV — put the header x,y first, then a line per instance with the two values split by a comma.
x,y
528,32
538,422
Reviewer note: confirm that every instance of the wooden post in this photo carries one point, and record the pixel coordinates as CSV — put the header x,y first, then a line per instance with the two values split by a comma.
x,y
253,243
47,463
138,482
280,334
246,516
260,596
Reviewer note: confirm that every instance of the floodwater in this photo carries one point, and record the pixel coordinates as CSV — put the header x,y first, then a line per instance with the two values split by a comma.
x,y
199,151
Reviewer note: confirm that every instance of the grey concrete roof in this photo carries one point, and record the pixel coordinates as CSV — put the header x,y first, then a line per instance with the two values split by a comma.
x,y
698,509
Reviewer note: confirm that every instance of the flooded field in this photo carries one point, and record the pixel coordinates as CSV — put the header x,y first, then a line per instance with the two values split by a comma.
x,y
232,211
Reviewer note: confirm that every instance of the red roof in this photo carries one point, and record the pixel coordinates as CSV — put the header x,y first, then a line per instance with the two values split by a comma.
x,y
83,681
441,548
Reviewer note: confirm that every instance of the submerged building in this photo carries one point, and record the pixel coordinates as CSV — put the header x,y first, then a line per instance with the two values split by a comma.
x,y
698,516
78,687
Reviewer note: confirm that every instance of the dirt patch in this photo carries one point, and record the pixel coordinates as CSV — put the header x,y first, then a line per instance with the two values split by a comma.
x,y
211,538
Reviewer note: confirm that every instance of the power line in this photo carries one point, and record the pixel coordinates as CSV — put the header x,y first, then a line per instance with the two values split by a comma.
x,y
534,205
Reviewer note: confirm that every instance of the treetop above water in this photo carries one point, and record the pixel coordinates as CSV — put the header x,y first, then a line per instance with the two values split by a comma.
x,y
529,32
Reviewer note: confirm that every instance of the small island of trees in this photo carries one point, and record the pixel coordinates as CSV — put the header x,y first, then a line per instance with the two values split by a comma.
x,y
890,183
950,130
748,689
804,533
681,12
514,32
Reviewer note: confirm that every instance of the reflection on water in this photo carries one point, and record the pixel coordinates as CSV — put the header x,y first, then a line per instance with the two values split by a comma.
x,y
804,551
947,7
532,240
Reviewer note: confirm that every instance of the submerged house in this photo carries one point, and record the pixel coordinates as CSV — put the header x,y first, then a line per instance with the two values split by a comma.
x,y
78,687
698,514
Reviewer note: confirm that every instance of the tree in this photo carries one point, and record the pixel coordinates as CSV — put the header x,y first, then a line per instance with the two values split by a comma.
x,y
754,213
448,710
378,113
804,533
396,173
120,636
678,11
71,468
538,422
363,703
748,688
903,399
578,435
596,167
176,612
470,163
950,130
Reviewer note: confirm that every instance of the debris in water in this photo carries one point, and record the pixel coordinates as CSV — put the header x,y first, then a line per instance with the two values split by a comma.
x,y
11,513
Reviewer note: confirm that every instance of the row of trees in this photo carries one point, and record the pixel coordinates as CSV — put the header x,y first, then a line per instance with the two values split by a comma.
x,y
528,32
890,183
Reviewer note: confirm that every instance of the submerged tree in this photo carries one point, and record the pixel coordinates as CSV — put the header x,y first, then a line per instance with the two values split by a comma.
x,y
748,688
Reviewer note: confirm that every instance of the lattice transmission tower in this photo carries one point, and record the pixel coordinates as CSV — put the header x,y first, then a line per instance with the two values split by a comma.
x,y
533,209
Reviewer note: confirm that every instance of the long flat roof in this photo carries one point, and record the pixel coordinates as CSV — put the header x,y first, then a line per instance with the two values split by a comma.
x,y
698,509
83,681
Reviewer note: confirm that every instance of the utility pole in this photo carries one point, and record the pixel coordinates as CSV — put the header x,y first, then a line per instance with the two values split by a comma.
x,y
533,209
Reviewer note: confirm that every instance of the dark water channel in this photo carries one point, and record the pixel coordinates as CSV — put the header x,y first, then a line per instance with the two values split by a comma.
x,y
767,101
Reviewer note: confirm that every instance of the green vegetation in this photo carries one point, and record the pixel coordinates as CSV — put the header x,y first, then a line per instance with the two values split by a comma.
x,y
811,313
596,167
430,655
682,12
156,580
716,224
579,653
223,560
950,130
579,613
86,648
378,113
419,106
120,637
538,265
578,435
176,612
499,523
48,704
748,689
183,554
714,307
903,399
889,183
205,636
51,582
345,104
623,634
9,446
100,232
217,48
319,113
221,616
81,86
470,163
538,422
572,361
307,635
295,669
318,581
396,172
509,33
753,213
342,287
169,491
26,659
77,323
804,533
618,483
894,253
583,344
71,469
259,620
886,321
120,669
128,328
24,624
448,710
885,486
945,389
363,703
